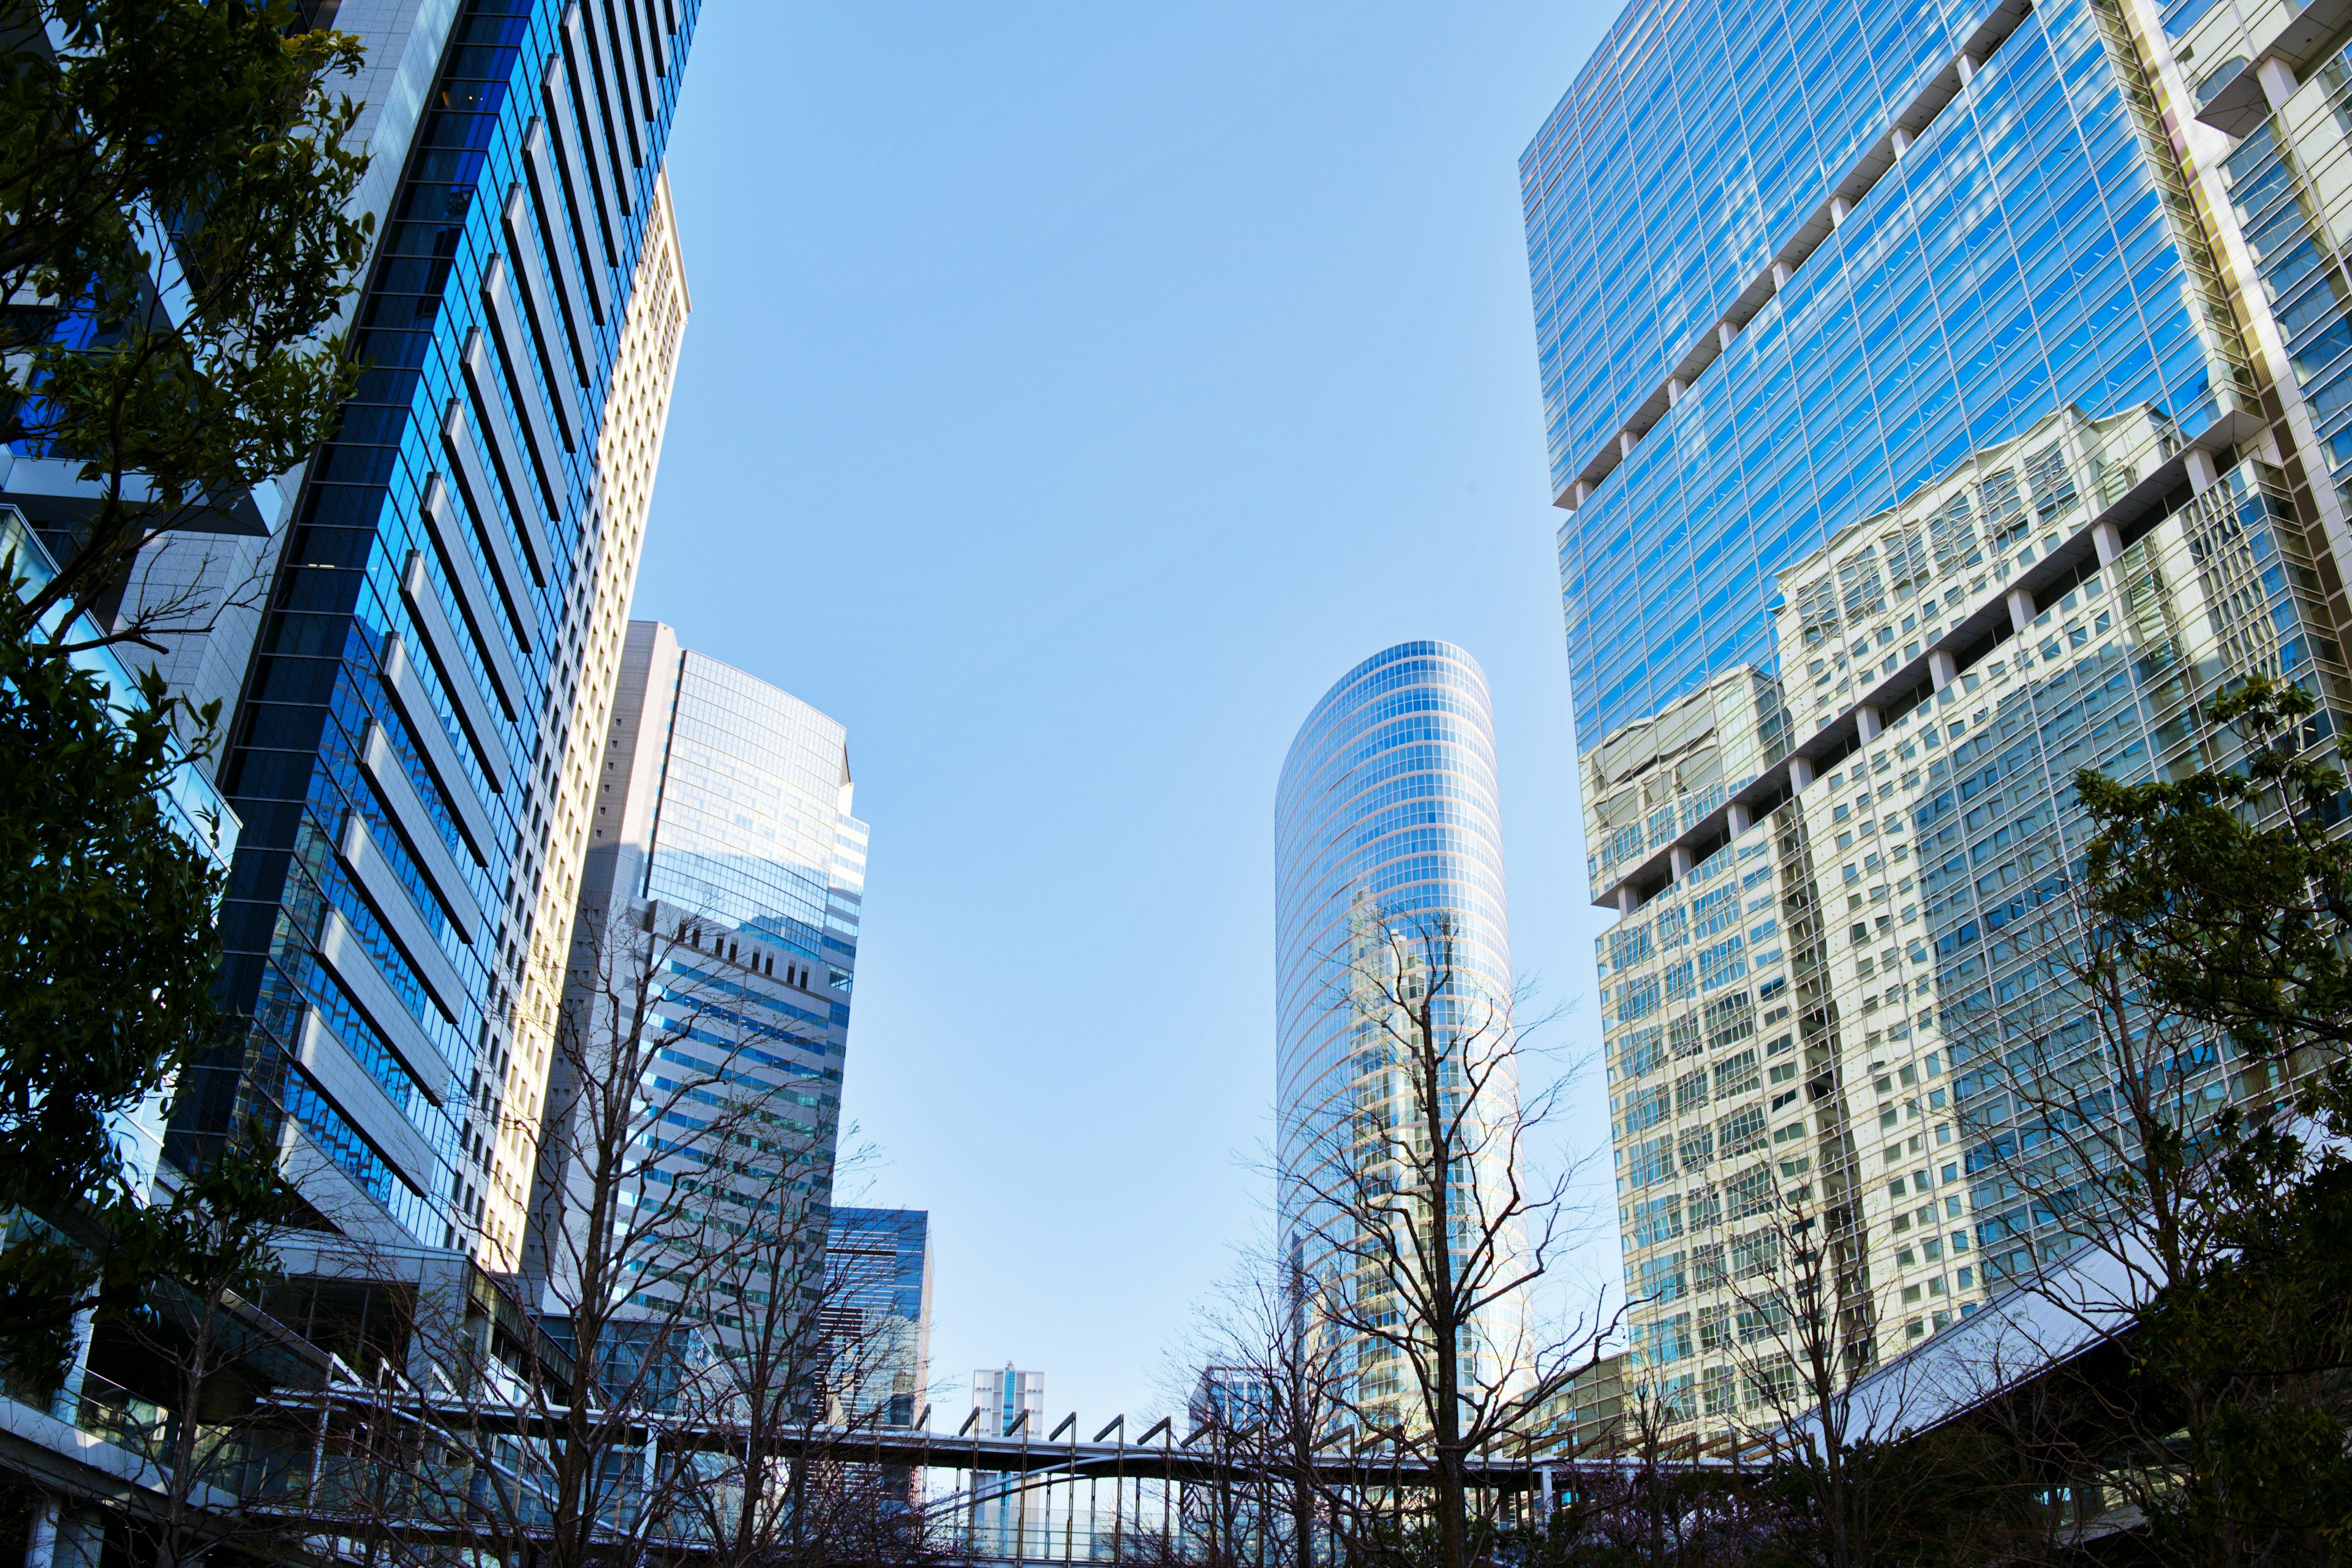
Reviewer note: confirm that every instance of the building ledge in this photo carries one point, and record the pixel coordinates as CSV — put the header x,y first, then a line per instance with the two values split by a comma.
x,y
1968,641
1906,127
2246,100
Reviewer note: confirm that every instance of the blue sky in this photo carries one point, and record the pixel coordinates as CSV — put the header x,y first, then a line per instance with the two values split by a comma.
x,y
1074,393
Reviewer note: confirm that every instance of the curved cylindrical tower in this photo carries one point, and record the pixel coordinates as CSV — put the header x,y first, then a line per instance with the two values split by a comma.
x,y
1385,819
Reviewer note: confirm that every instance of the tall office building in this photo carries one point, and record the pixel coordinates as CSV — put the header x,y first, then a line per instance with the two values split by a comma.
x,y
1940,408
878,1276
722,819
1385,819
417,737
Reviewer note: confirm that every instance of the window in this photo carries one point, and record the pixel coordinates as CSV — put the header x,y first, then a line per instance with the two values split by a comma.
x,y
1647,1110
1737,1076
1954,534
1657,1219
1715,1390
1637,998
1690,1093
1772,1387
1705,1210
1907,560
1859,585
1730,1020
1698,1149
2003,510
1649,1161
1756,1255
1640,1052
1715,911
1681,1037
1722,964
1817,610
2052,484
1707,1271
1740,1131
1750,1194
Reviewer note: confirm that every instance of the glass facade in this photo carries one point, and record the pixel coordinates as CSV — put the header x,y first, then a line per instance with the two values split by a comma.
x,y
723,821
878,1271
397,747
1386,812
2032,250
1915,460
2285,182
751,828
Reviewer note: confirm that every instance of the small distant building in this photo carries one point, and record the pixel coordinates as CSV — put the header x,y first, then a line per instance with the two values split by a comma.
x,y
1587,1418
1233,1397
1007,1522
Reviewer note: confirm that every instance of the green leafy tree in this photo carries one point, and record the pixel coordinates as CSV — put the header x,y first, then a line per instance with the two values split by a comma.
x,y
2229,891
109,961
2222,900
176,241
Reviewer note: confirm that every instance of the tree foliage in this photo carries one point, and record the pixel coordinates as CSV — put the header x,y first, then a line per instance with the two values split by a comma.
x,y
176,240
109,959
2225,896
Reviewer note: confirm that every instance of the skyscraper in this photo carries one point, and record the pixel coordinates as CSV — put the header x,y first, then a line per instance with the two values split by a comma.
x,y
877,1269
443,617
1929,428
1385,819
724,816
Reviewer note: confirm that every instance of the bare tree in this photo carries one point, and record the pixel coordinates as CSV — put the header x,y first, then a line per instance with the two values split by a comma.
x,y
804,1382
2125,1157
1267,1400
1434,1234
196,1375
564,1414
1807,1340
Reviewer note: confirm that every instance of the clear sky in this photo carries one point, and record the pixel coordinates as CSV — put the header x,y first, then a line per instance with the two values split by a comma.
x,y
1073,393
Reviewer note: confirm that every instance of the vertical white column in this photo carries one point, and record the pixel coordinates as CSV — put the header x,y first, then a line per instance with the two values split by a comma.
x,y
2022,610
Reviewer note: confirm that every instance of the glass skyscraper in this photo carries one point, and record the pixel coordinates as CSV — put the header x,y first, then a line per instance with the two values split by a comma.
x,y
1932,422
417,735
722,823
1385,816
878,1285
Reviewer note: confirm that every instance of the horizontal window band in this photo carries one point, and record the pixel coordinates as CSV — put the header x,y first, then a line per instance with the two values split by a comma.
x,y
629,64
570,117
440,754
491,620
422,835
517,348
526,488
442,646
657,35
338,1077
379,882
598,120
562,176
348,961
465,456
534,334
